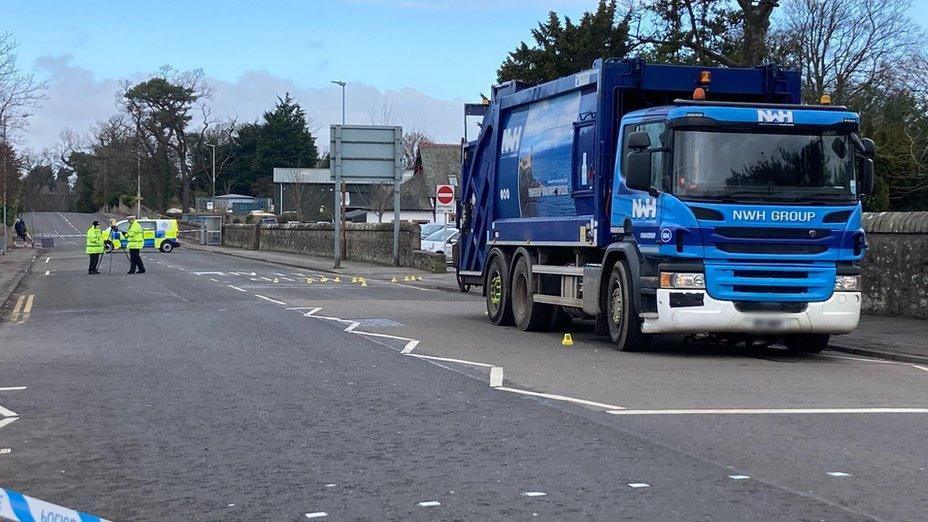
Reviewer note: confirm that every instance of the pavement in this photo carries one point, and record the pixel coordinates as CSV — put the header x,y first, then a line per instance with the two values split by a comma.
x,y
14,266
223,387
893,338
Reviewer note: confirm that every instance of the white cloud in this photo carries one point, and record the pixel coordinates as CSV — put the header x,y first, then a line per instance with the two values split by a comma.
x,y
77,99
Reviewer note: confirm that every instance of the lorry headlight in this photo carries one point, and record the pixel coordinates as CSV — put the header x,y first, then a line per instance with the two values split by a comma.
x,y
682,280
847,283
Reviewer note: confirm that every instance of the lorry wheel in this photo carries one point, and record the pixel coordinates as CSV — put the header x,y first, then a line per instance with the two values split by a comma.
x,y
527,314
806,343
166,247
499,308
621,314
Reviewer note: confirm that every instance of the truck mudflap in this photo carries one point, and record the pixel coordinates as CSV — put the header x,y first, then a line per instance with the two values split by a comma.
x,y
697,312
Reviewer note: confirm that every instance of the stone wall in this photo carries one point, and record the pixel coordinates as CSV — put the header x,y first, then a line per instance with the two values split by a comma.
x,y
895,267
240,236
368,242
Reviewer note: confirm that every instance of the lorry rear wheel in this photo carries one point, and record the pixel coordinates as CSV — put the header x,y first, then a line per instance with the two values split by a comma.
x,y
499,308
527,314
806,343
621,315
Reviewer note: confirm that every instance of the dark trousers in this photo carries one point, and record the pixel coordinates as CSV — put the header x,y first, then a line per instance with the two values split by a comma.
x,y
94,261
135,261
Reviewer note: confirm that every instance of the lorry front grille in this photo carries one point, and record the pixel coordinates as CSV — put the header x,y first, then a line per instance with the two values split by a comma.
x,y
782,282
766,248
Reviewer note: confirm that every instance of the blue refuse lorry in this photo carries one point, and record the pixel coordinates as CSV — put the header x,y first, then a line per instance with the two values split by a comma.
x,y
662,199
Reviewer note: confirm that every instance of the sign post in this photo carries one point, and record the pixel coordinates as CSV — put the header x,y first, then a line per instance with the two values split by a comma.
x,y
444,199
371,154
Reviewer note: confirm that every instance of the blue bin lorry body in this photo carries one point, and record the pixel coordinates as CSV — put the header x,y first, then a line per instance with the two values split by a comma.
x,y
750,224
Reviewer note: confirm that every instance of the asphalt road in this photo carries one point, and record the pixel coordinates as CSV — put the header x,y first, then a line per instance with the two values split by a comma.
x,y
215,387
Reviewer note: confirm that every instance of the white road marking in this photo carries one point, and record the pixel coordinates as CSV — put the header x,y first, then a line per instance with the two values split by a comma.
x,y
739,477
330,485
233,287
47,272
922,368
534,494
449,359
288,279
259,296
413,343
429,503
4,451
639,485
181,269
5,412
47,259
838,474
562,398
213,279
266,278
496,377
8,420
278,274
12,388
220,274
317,514
230,505
747,411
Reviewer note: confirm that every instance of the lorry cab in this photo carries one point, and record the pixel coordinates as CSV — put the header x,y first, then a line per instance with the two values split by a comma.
x,y
743,211
158,233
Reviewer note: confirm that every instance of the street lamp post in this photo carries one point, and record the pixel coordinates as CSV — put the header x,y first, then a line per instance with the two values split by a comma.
x,y
213,147
342,84
339,208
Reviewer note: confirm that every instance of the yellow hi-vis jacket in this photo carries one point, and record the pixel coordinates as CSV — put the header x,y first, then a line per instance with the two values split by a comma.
x,y
135,236
94,241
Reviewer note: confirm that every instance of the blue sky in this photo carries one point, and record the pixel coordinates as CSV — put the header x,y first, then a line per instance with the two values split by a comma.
x,y
420,58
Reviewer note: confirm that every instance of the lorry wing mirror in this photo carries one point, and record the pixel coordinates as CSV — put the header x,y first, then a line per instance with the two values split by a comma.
x,y
869,147
866,176
638,169
639,140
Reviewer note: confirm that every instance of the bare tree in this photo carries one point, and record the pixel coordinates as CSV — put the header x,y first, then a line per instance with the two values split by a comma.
x,y
849,46
411,143
19,92
379,200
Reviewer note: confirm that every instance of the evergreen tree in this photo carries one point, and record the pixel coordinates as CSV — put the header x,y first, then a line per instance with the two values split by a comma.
x,y
282,140
565,48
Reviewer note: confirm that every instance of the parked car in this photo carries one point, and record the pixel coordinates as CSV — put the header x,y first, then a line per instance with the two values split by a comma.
x,y
442,241
428,229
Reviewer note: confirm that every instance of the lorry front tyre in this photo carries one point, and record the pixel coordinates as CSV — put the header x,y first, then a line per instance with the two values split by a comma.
x,y
621,315
527,314
806,343
499,307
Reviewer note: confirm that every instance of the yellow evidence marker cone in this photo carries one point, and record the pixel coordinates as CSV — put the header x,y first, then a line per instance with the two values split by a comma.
x,y
393,280
337,279
567,340
355,280
323,279
309,280
418,278
276,280
363,283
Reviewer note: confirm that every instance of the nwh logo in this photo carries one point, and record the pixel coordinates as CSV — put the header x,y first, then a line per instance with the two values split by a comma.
x,y
644,208
774,116
512,138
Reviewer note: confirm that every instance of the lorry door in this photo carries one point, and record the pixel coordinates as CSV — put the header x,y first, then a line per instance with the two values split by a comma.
x,y
584,166
639,207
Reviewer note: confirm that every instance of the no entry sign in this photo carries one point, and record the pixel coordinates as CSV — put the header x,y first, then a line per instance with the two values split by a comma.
x,y
444,199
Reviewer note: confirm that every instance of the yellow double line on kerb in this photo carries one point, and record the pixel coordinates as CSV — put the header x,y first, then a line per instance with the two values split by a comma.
x,y
23,309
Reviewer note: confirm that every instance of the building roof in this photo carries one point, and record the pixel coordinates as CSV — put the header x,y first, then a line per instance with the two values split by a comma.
x,y
235,196
439,163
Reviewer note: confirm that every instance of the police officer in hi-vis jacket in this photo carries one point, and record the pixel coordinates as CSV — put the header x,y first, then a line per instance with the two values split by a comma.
x,y
94,247
135,237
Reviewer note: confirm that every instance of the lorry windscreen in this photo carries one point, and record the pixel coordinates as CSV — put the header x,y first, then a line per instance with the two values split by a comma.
x,y
756,166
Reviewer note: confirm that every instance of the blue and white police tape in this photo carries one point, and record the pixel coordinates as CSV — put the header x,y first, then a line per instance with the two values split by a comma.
x,y
20,508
